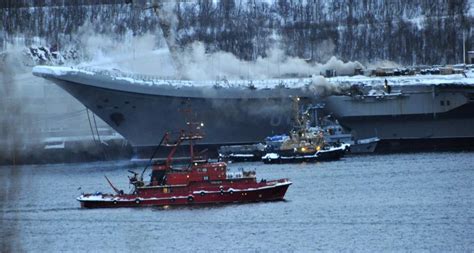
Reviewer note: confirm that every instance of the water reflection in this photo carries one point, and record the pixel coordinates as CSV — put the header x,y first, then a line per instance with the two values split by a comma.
x,y
402,202
9,191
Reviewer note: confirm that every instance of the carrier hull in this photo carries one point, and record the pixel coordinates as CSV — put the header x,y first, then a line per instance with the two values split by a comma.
x,y
421,118
229,116
141,113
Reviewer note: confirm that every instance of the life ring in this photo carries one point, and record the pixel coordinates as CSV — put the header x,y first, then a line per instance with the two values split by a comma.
x,y
115,202
222,191
137,201
202,193
190,198
231,192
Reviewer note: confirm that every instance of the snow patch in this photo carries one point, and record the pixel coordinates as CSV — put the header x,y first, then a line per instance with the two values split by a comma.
x,y
45,71
406,80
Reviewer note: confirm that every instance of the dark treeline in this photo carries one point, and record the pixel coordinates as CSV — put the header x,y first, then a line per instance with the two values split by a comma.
x,y
404,31
49,3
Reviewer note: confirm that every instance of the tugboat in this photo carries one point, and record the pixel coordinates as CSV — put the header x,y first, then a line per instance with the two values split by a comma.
x,y
298,150
197,182
335,133
304,143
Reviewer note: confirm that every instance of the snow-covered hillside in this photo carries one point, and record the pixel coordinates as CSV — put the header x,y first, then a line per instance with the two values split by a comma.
x,y
403,31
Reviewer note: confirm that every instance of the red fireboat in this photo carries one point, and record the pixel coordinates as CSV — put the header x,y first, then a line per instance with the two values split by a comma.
x,y
195,182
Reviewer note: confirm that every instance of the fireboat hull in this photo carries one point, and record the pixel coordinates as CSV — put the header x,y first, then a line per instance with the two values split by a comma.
x,y
273,192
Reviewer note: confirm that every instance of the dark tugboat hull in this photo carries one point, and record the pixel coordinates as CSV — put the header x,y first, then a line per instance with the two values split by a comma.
x,y
326,155
236,158
331,155
271,192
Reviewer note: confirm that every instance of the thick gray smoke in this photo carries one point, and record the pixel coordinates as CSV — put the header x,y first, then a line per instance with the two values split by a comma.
x,y
199,65
160,55
321,87
195,63
325,50
12,109
383,64
169,24
148,54
32,108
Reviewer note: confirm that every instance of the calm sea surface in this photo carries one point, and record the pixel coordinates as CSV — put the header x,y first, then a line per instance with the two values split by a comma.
x,y
400,202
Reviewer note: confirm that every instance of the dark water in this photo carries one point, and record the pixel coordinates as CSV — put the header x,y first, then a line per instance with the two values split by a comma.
x,y
402,202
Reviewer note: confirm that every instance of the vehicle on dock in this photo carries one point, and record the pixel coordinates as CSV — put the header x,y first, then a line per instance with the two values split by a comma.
x,y
195,182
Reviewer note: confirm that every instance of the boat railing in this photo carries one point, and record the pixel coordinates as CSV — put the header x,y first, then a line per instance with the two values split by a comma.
x,y
217,83
379,96
368,140
240,174
118,73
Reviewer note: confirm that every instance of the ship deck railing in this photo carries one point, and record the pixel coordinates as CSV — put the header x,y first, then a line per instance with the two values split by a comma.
x,y
219,82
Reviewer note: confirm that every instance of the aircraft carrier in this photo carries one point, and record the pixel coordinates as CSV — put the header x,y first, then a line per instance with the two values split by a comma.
x,y
411,118
419,113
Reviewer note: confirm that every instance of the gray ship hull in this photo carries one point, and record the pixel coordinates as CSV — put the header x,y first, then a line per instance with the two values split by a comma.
x,y
418,115
143,114
417,118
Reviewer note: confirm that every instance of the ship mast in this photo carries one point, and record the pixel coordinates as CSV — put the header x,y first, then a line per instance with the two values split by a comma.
x,y
193,132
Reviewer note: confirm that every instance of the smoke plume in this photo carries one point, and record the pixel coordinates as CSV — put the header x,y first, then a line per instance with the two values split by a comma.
x,y
200,65
12,72
149,55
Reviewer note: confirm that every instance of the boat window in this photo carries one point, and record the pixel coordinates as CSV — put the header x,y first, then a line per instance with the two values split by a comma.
x,y
448,102
442,102
204,169
206,178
